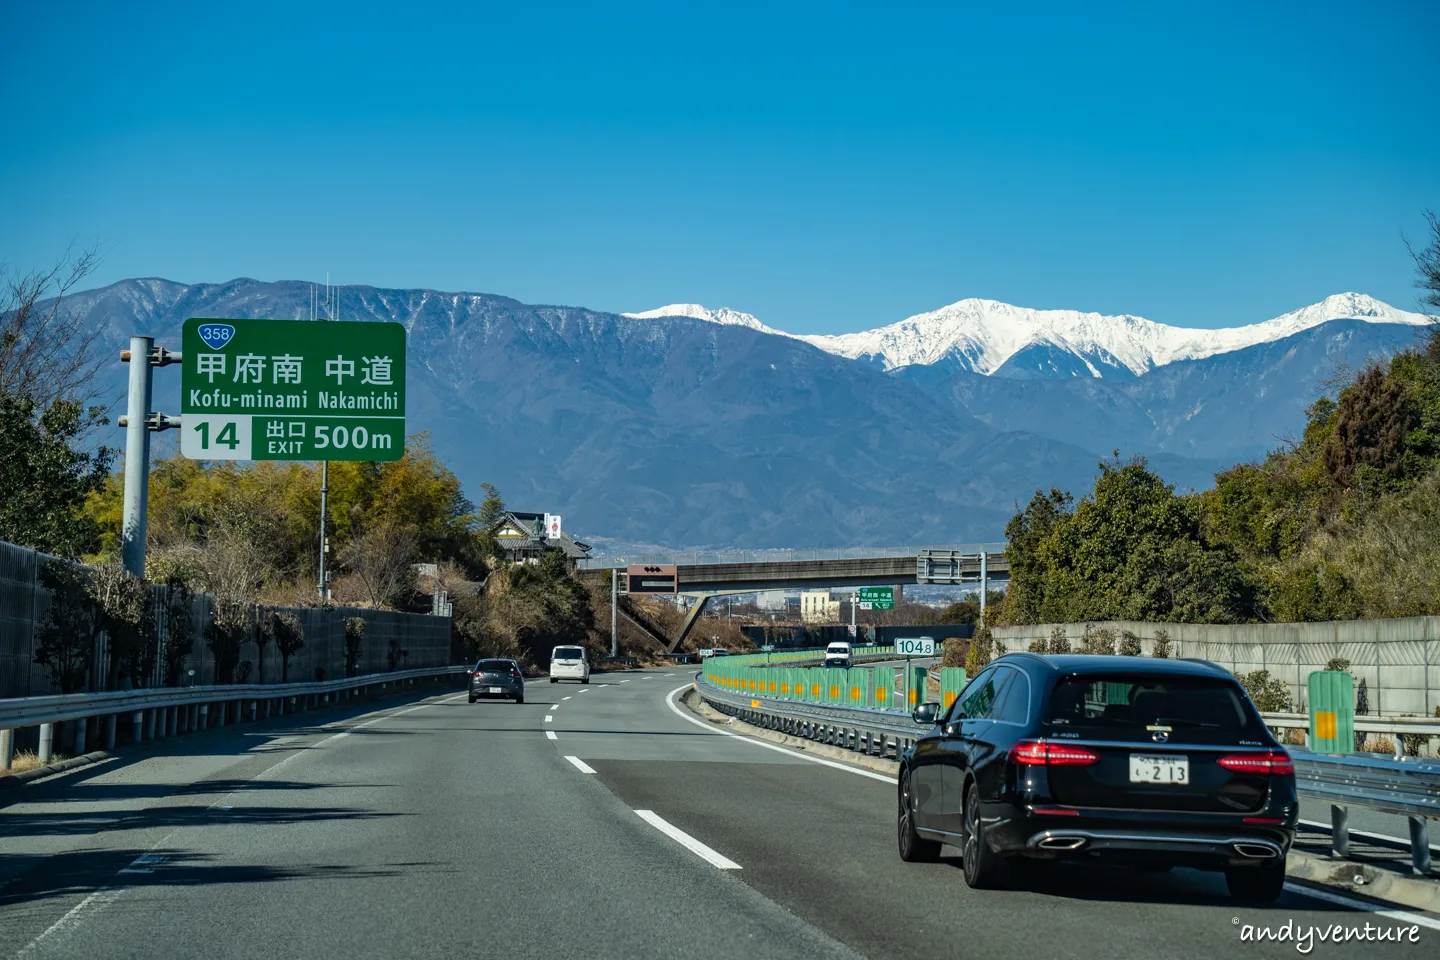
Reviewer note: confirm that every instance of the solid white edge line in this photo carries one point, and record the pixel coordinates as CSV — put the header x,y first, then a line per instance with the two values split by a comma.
x,y
679,712
550,735
73,916
710,856
580,765
1375,908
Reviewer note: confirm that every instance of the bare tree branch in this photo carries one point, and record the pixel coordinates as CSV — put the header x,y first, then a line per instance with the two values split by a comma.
x,y
47,351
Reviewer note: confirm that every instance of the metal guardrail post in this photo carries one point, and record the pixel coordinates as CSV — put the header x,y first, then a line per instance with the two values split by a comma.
x,y
137,726
1339,831
1420,846
111,722
7,748
47,742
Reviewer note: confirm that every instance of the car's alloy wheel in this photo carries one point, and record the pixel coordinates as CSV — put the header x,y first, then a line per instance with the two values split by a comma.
x,y
913,847
984,868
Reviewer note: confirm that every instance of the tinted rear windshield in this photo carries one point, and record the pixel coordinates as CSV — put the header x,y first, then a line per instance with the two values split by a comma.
x,y
568,653
1137,702
494,666
837,648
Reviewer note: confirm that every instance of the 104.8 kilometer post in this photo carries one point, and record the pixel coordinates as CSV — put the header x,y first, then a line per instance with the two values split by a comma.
x,y
292,390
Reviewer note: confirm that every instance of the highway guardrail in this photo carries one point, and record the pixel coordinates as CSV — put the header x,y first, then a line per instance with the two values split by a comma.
x,y
157,712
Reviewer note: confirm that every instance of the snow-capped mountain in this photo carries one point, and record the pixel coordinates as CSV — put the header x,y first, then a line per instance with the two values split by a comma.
x,y
723,316
988,337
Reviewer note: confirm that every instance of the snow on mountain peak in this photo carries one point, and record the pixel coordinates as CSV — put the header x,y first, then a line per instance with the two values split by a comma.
x,y
723,316
981,335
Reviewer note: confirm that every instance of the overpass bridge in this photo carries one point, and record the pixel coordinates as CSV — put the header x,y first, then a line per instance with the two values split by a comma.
x,y
706,575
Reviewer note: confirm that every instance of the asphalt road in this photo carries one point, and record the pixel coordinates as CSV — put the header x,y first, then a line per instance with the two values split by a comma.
x,y
592,821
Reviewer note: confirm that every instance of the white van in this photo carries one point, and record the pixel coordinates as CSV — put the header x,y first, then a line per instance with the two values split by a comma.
x,y
569,663
838,653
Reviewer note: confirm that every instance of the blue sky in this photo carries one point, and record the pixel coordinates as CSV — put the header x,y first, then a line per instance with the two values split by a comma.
x,y
827,167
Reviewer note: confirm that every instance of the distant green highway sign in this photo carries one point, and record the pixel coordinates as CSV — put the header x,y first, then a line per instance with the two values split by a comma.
x,y
292,390
876,598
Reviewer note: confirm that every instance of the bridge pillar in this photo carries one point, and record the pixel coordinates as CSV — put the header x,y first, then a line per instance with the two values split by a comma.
x,y
689,624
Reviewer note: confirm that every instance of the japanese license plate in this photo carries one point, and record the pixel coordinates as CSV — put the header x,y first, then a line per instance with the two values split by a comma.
x,y
1159,768
497,689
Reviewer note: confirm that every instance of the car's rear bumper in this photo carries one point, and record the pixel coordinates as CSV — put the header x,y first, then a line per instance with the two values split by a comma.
x,y
496,690
1142,837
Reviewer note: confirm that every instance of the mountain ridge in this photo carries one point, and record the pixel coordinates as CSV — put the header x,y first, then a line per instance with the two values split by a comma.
x,y
704,435
983,336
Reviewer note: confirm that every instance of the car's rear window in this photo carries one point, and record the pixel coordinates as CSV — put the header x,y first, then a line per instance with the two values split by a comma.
x,y
492,666
568,653
1136,702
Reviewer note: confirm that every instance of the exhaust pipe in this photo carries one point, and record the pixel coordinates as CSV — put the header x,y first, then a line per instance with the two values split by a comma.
x,y
1257,851
1062,843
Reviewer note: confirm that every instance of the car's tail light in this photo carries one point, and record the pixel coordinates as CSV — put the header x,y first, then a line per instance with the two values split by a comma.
x,y
1265,763
1264,819
1048,753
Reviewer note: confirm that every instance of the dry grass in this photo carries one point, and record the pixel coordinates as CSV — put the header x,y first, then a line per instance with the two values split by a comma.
x,y
28,760
1379,743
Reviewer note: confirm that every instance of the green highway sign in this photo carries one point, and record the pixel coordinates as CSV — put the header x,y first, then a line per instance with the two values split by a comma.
x,y
292,390
876,598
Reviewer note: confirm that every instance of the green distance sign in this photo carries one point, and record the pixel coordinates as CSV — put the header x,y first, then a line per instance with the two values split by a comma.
x,y
292,390
876,598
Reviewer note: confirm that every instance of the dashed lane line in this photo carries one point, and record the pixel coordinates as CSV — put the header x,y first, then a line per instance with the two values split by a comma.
x,y
580,765
705,853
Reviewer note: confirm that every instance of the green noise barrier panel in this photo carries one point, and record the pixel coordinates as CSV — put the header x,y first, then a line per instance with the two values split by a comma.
x,y
1332,711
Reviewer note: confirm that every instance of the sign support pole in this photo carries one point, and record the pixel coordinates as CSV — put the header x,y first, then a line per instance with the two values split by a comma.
x,y
137,458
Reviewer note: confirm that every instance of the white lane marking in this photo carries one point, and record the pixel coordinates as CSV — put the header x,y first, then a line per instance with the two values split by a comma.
x,y
562,698
580,765
550,735
584,691
624,681
555,707
95,901
145,863
670,702
688,842
549,717
1353,904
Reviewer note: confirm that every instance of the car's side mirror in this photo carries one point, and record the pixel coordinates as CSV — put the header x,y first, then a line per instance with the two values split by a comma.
x,y
926,713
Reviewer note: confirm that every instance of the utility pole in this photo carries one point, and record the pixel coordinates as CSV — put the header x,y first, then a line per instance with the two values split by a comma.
x,y
139,423
984,583
324,542
324,585
614,603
